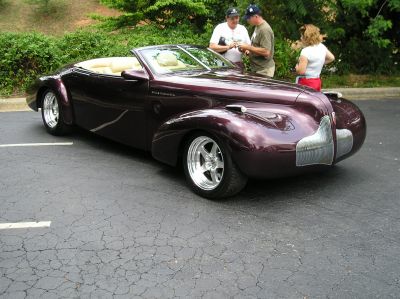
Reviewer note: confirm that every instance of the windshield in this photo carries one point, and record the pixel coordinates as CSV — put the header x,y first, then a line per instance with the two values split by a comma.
x,y
175,59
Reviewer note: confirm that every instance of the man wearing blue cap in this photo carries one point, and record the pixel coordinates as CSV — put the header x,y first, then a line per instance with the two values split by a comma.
x,y
228,35
261,50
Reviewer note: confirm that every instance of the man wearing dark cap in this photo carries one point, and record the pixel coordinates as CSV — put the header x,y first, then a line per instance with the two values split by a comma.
x,y
261,50
228,35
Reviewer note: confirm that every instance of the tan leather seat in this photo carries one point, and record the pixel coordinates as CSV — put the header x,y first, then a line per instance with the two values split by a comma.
x,y
167,60
110,65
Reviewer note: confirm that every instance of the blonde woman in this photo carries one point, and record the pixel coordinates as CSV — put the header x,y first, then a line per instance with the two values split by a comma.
x,y
313,56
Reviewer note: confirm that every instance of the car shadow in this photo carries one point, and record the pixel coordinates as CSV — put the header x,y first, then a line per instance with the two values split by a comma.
x,y
109,146
302,188
256,192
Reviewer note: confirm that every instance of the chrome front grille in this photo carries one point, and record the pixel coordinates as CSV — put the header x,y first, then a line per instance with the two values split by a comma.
x,y
317,148
344,139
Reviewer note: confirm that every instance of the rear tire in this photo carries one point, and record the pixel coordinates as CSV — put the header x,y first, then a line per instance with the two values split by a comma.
x,y
52,114
209,168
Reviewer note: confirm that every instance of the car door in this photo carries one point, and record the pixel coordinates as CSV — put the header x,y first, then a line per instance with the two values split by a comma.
x,y
111,106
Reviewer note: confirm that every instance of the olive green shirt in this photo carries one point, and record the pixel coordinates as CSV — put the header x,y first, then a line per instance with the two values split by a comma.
x,y
263,37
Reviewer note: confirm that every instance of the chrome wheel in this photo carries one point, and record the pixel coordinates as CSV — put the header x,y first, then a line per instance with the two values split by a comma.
x,y
50,110
205,163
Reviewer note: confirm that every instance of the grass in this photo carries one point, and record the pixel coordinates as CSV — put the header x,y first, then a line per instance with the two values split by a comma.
x,y
356,81
59,17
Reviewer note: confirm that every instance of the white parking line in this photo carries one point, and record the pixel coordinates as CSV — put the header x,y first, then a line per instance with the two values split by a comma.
x,y
35,144
25,225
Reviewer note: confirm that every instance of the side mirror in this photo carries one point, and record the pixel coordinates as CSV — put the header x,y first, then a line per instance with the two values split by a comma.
x,y
135,75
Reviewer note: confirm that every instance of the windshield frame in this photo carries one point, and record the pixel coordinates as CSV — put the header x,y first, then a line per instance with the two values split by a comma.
x,y
185,49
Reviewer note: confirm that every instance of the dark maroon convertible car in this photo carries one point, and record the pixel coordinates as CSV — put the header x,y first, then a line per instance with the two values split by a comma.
x,y
188,104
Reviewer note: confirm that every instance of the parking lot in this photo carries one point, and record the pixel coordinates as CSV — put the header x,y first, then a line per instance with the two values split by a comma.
x,y
118,224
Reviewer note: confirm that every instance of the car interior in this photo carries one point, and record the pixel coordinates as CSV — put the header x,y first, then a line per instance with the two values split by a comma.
x,y
164,62
110,65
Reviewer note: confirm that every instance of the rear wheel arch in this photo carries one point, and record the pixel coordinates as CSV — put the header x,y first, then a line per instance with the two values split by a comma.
x,y
39,96
58,87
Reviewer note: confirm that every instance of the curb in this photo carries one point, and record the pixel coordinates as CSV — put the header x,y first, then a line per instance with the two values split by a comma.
x,y
13,104
375,93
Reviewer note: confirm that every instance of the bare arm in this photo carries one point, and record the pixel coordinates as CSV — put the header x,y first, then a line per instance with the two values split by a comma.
x,y
255,50
329,57
220,48
301,66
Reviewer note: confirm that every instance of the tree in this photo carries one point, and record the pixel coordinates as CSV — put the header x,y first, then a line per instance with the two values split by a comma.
x,y
369,34
365,34
161,12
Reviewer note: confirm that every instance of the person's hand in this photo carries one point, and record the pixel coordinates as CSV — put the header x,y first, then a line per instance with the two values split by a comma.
x,y
232,45
295,69
244,48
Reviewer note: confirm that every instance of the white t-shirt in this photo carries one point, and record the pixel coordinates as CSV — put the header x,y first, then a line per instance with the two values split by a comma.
x,y
239,34
316,58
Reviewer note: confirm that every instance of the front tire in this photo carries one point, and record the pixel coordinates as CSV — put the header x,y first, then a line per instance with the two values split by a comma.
x,y
209,168
52,114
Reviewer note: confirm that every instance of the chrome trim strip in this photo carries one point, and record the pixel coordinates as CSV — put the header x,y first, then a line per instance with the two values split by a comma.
x,y
109,123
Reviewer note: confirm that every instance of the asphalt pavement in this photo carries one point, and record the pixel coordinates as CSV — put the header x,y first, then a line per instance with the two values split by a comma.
x,y
123,225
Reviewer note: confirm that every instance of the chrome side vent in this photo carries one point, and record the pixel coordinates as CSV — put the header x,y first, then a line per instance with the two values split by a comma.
x,y
236,108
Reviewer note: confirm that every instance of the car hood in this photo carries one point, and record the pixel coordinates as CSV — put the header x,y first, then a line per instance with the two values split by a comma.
x,y
235,86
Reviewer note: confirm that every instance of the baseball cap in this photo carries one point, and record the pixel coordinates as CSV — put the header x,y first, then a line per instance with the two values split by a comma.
x,y
232,12
251,10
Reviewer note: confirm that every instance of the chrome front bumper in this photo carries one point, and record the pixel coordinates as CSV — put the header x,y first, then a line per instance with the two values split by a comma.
x,y
319,148
344,139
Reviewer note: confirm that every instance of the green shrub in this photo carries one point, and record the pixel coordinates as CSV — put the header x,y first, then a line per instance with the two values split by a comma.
x,y
82,45
365,57
285,59
151,35
23,56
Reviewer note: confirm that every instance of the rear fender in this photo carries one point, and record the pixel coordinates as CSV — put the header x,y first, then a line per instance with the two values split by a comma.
x,y
35,94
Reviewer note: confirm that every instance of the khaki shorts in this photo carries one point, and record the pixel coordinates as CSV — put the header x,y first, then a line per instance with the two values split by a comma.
x,y
269,72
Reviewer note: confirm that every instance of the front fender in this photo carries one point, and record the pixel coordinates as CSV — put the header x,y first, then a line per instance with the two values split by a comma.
x,y
350,117
55,83
259,143
168,139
